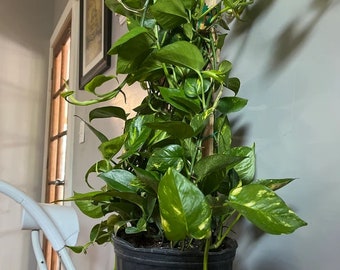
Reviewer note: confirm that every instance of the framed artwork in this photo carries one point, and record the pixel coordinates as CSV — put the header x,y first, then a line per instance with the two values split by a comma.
x,y
95,39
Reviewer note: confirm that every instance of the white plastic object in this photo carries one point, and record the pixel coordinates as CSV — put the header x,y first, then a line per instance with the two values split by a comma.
x,y
38,251
50,230
64,217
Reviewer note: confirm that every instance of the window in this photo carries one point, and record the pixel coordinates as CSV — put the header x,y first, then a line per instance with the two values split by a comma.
x,y
57,138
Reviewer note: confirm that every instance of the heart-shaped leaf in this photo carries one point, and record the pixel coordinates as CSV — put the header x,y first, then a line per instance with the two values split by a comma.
x,y
106,112
169,14
169,156
178,99
184,209
246,168
176,129
265,209
119,180
110,148
210,164
181,53
231,104
274,184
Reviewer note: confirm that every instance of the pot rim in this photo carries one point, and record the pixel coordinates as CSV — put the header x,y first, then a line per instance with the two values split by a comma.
x,y
232,246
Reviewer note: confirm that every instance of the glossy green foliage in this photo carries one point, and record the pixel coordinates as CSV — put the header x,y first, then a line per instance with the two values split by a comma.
x,y
182,54
184,209
265,209
169,16
169,156
174,173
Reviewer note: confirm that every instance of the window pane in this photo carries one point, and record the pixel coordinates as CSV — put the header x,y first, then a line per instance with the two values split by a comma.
x,y
61,158
53,157
57,72
55,116
66,59
62,115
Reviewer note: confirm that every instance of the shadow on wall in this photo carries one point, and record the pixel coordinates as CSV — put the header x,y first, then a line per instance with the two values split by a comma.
x,y
288,41
251,15
239,131
254,12
251,235
252,238
295,34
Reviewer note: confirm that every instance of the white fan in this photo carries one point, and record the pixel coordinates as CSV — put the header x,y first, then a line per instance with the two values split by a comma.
x,y
59,224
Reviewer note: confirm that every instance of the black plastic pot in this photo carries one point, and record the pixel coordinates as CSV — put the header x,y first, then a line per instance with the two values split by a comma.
x,y
131,258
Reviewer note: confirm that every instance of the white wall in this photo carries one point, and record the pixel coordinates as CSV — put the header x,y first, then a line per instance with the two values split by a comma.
x,y
24,35
287,57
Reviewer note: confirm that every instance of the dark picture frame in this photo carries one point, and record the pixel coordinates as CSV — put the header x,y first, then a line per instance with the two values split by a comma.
x,y
95,40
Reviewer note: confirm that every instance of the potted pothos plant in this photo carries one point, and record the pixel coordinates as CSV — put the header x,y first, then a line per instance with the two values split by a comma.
x,y
173,178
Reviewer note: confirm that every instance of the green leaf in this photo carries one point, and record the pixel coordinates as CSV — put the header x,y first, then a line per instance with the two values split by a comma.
x,y
193,87
219,205
86,205
138,134
274,184
231,104
188,30
178,99
199,121
96,132
124,209
141,227
119,180
99,233
212,182
176,129
210,164
98,167
95,231
225,66
96,82
231,181
150,69
110,148
116,7
69,96
221,74
265,209
132,49
169,156
223,134
181,53
246,168
131,197
77,249
233,84
106,112
158,138
127,38
84,196
169,14
89,209
189,4
220,41
147,178
184,210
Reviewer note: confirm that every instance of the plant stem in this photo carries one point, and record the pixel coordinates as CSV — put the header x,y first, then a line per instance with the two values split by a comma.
x,y
144,12
206,254
220,241
193,159
165,69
